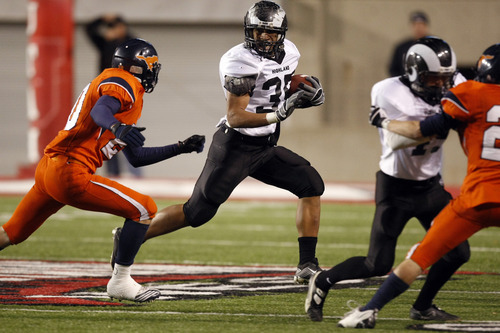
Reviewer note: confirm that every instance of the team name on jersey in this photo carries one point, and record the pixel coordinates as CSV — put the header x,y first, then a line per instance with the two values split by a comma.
x,y
281,69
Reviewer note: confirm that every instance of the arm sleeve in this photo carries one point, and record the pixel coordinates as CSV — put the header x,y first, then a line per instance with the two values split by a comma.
x,y
438,124
240,86
103,111
142,156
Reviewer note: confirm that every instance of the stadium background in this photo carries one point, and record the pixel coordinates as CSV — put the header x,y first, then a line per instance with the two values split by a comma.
x,y
346,43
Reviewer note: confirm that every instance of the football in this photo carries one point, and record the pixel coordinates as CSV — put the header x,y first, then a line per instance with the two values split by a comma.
x,y
296,80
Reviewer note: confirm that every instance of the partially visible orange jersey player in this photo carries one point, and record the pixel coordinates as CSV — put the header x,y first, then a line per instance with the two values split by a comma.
x,y
102,123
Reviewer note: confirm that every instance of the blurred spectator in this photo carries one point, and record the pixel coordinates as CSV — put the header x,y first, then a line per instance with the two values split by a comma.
x,y
419,25
106,33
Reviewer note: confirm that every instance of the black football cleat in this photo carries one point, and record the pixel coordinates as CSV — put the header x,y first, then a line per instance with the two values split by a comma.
x,y
315,300
432,313
306,271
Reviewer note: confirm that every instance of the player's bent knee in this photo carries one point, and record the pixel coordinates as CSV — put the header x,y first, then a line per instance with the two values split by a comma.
x,y
151,208
199,215
459,254
313,184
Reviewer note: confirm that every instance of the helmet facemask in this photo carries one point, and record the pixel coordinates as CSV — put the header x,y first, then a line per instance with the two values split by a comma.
x,y
431,86
148,77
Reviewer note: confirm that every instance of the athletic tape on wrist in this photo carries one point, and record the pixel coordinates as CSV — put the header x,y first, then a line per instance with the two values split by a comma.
x,y
272,118
385,123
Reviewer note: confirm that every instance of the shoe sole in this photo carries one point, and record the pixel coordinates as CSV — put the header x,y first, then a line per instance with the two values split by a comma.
x,y
146,297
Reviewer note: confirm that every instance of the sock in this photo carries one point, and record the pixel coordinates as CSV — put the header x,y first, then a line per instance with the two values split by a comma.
x,y
307,249
439,273
352,268
389,290
131,239
121,272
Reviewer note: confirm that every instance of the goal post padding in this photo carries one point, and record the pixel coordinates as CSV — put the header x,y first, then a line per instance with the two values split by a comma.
x,y
49,57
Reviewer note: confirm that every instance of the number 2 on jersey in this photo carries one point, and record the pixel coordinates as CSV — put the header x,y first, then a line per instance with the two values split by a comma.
x,y
491,150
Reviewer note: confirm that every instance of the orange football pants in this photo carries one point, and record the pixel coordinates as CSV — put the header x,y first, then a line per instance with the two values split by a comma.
x,y
456,223
61,181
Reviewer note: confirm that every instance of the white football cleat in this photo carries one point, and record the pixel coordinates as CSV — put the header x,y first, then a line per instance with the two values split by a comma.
x,y
124,287
359,319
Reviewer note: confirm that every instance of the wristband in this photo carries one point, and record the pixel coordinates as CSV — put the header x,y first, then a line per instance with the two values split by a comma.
x,y
272,118
385,123
114,127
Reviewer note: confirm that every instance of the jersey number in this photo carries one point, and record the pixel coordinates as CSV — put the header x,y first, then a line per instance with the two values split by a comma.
x,y
421,149
491,136
278,91
77,108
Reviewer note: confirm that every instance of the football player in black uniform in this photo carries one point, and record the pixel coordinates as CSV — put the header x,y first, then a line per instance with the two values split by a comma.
x,y
255,76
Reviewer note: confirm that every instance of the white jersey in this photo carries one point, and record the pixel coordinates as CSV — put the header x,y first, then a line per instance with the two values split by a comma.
x,y
272,78
414,163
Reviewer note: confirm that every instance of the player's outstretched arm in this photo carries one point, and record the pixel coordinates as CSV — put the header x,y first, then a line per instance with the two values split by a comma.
x,y
409,129
142,156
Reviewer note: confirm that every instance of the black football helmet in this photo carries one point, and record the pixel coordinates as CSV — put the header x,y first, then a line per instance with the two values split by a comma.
x,y
269,16
430,67
488,65
140,59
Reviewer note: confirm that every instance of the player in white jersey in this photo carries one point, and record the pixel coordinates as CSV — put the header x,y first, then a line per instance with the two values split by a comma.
x,y
269,77
256,75
409,182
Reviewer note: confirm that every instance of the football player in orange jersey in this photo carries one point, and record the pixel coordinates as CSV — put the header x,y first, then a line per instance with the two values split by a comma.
x,y
102,123
473,109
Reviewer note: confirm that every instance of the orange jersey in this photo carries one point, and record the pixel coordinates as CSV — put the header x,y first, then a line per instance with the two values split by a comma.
x,y
477,106
82,139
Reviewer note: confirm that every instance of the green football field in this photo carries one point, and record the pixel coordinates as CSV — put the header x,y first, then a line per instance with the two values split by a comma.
x,y
235,274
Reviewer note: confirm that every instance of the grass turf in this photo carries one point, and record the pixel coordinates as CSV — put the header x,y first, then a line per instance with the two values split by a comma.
x,y
242,233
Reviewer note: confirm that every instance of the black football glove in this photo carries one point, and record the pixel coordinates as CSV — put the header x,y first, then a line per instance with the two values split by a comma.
x,y
193,143
377,116
313,96
289,106
129,134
